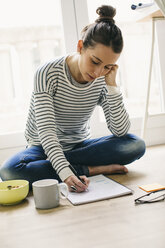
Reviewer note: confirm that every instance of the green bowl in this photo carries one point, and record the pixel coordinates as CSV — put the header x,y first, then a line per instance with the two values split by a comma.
x,y
13,191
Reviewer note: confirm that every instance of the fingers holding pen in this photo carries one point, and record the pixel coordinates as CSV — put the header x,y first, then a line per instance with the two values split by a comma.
x,y
76,185
86,180
80,186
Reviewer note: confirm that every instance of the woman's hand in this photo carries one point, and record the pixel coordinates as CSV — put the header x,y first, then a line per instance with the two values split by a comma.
x,y
75,182
110,77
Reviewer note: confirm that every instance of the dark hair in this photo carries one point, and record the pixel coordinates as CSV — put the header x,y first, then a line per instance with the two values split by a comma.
x,y
103,30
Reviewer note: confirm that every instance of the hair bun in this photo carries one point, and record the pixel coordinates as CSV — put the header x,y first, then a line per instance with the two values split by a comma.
x,y
106,14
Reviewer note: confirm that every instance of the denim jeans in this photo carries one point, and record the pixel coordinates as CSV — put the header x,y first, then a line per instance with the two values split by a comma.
x,y
32,164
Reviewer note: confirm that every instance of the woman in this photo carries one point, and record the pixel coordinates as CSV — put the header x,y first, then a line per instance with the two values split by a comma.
x,y
66,92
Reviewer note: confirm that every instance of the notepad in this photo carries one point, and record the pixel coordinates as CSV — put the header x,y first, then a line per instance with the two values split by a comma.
x,y
152,187
100,188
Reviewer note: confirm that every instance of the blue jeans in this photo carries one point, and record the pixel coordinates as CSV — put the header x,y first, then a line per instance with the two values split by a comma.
x,y
31,164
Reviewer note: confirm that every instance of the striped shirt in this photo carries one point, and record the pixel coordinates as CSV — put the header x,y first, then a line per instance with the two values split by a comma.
x,y
60,112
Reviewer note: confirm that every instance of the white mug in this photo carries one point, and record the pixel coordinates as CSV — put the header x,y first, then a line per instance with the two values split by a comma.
x,y
47,193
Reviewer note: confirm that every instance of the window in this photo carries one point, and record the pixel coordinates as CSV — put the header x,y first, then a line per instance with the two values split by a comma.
x,y
31,33
134,61
35,33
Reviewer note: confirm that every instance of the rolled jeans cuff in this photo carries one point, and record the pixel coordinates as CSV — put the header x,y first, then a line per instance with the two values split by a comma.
x,y
82,170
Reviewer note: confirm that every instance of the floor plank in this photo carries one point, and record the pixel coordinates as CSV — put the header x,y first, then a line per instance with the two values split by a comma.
x,y
112,223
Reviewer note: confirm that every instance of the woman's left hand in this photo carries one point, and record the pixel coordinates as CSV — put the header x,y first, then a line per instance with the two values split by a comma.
x,y
110,77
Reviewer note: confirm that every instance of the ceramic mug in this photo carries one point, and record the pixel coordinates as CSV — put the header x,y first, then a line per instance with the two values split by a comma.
x,y
47,193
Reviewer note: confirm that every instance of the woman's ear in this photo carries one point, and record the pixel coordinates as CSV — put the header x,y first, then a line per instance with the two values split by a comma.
x,y
79,46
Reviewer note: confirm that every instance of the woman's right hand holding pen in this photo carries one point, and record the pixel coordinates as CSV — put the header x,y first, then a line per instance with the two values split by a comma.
x,y
74,184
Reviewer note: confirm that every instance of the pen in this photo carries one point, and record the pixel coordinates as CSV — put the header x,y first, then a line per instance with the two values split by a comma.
x,y
75,172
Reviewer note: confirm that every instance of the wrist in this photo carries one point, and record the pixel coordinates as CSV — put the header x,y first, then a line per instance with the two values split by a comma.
x,y
112,90
110,81
111,84
65,173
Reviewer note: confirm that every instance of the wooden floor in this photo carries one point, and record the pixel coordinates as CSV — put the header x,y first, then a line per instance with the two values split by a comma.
x,y
114,223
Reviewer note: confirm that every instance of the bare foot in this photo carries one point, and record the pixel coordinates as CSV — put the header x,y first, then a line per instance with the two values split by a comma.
x,y
107,169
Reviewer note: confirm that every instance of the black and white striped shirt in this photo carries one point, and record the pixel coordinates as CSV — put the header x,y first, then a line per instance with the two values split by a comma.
x,y
60,112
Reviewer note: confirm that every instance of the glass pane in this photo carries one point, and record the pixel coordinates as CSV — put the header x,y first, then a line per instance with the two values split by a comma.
x,y
31,33
135,58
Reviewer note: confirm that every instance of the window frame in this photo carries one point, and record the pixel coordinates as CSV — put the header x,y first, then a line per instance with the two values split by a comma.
x,y
155,123
77,20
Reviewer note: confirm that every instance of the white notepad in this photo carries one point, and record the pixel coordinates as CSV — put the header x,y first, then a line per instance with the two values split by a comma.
x,y
100,188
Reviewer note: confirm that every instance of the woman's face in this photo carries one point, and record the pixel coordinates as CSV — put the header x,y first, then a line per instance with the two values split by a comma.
x,y
95,62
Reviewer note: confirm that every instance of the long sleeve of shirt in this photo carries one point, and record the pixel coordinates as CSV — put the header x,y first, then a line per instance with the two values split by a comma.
x,y
45,121
116,115
43,110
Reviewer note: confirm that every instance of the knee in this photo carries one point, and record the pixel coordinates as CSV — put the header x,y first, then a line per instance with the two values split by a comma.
x,y
7,171
12,167
136,145
140,147
4,172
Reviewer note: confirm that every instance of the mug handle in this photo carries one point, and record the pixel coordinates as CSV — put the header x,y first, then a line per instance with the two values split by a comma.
x,y
63,190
